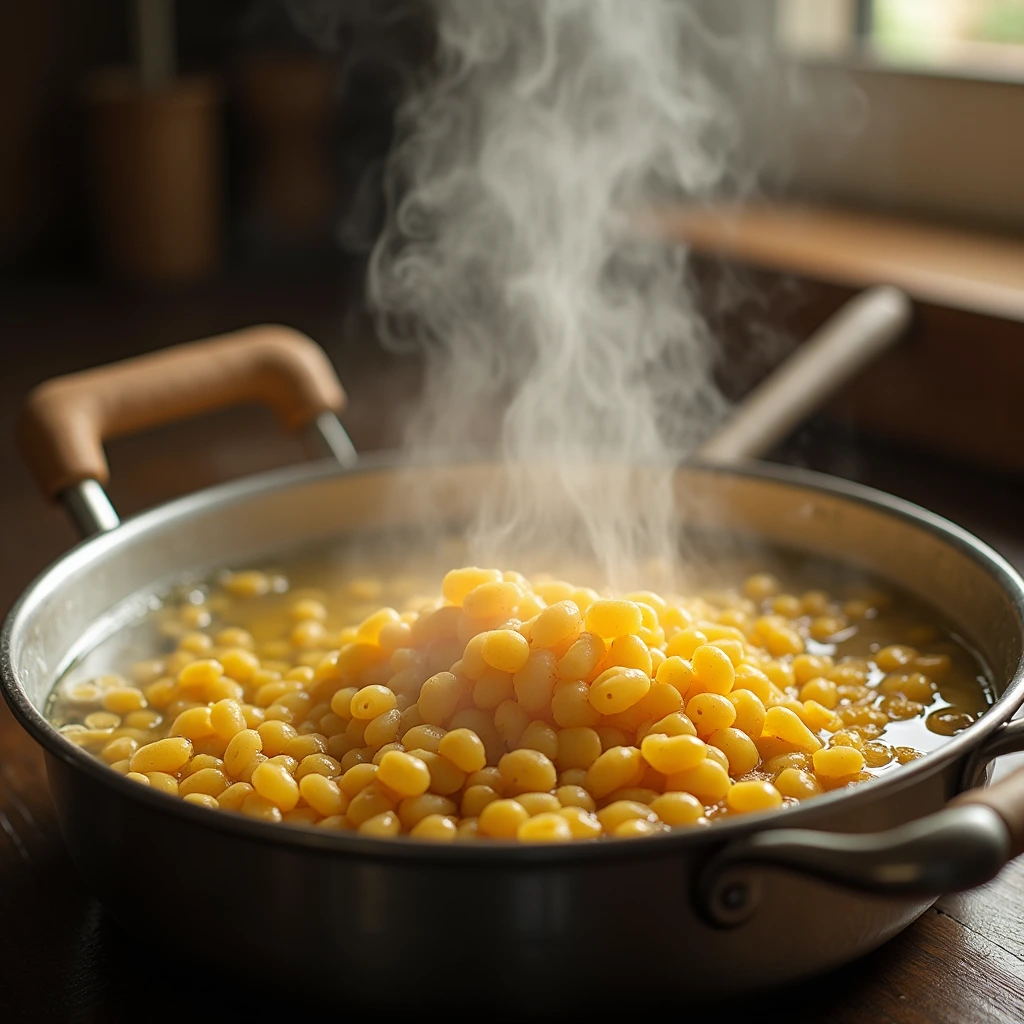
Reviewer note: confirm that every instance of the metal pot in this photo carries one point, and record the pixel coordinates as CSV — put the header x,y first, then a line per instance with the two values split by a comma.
x,y
749,903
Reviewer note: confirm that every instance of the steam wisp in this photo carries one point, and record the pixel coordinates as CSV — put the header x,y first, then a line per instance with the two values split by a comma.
x,y
521,162
508,257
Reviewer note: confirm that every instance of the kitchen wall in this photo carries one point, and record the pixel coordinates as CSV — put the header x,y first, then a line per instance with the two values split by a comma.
x,y
941,148
848,129
48,48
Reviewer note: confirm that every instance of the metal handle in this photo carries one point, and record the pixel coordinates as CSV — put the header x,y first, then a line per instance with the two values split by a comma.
x,y
958,848
867,325
66,420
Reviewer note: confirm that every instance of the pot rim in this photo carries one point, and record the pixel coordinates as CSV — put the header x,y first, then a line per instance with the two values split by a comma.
x,y
495,853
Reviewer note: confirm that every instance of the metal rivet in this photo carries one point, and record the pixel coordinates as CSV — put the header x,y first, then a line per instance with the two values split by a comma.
x,y
735,896
726,899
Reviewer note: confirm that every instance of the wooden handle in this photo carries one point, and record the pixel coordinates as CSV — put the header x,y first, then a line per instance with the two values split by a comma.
x,y
66,420
1006,798
838,350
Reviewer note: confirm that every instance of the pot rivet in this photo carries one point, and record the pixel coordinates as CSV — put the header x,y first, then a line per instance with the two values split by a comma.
x,y
726,899
734,897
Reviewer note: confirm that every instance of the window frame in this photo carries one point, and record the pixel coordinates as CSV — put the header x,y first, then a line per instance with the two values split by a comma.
x,y
935,142
837,31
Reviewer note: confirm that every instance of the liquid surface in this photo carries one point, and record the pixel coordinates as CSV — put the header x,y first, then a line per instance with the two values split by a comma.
x,y
419,700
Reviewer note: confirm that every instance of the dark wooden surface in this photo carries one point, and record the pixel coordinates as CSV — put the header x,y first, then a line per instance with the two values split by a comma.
x,y
62,959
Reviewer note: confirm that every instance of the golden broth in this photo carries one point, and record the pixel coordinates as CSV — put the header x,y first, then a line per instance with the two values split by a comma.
x,y
835,679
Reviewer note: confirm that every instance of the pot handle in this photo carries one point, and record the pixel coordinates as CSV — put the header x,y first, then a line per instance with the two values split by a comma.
x,y
66,420
964,845
841,347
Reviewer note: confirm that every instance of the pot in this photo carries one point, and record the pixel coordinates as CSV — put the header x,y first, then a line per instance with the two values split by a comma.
x,y
749,903
155,168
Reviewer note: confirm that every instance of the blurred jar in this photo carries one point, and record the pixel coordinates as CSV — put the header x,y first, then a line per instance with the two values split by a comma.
x,y
155,175
289,193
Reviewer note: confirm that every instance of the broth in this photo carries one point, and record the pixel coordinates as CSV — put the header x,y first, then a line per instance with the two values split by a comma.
x,y
825,670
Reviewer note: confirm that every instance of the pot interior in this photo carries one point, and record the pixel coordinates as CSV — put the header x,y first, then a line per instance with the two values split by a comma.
x,y
745,516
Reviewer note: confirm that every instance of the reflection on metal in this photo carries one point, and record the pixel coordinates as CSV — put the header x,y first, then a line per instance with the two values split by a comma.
x,y
331,439
90,508
538,907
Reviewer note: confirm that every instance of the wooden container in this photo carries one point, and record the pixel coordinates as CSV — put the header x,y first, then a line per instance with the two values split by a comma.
x,y
285,106
155,176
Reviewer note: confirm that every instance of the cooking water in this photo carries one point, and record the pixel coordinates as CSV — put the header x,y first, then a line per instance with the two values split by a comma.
x,y
356,579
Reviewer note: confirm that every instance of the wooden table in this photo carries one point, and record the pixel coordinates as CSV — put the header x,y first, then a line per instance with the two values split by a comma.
x,y
61,959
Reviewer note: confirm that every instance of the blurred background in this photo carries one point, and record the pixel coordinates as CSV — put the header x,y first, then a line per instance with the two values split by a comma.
x,y
172,169
175,169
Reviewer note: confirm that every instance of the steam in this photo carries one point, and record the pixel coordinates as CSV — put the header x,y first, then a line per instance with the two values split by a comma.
x,y
511,258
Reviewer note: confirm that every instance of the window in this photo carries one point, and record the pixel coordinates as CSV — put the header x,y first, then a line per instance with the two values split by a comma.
x,y
985,36
941,85
972,38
